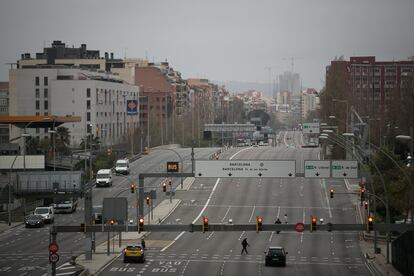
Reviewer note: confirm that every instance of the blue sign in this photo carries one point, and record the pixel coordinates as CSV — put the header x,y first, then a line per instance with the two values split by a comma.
x,y
132,107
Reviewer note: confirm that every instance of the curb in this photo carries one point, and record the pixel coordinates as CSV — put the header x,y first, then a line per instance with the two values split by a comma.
x,y
116,255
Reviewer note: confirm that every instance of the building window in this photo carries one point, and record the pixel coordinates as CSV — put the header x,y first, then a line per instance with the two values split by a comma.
x,y
46,93
88,104
88,116
45,81
37,104
37,93
88,92
37,113
37,81
46,105
46,113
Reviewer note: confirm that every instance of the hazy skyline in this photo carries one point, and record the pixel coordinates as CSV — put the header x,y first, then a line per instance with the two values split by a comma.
x,y
219,40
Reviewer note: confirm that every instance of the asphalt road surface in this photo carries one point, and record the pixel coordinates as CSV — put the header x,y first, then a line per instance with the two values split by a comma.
x,y
25,251
241,200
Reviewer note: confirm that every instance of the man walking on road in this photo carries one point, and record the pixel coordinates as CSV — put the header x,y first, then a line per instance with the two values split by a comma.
x,y
278,222
244,244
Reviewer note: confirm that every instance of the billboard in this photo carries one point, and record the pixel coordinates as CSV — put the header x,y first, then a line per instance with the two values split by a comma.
x,y
132,107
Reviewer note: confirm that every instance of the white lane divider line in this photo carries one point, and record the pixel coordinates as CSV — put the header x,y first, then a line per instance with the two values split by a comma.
x,y
225,215
284,139
278,212
271,236
205,205
242,235
251,215
323,184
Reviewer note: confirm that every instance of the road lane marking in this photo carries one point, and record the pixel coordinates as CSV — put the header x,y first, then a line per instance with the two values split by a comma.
x,y
323,184
225,215
242,235
271,236
205,205
278,212
251,215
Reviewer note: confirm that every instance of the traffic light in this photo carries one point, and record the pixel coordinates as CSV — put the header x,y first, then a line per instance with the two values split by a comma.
x,y
148,200
313,224
331,191
140,225
259,224
370,223
132,188
109,151
164,187
205,224
111,222
170,183
366,205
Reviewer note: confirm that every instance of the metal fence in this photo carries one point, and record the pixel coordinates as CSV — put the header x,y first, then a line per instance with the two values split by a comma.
x,y
403,253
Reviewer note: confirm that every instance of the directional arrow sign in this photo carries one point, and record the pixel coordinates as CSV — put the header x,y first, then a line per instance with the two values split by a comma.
x,y
245,168
317,168
344,169
309,128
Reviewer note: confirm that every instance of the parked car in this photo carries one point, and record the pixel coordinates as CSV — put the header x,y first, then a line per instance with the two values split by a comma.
x,y
134,252
34,221
47,213
275,255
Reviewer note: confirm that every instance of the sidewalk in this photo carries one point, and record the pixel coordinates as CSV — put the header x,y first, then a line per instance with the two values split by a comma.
x,y
4,226
377,263
100,259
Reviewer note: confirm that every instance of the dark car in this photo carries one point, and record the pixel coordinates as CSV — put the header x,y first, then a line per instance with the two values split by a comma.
x,y
275,255
34,221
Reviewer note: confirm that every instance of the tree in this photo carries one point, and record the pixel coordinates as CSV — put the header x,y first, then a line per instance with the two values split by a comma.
x,y
62,140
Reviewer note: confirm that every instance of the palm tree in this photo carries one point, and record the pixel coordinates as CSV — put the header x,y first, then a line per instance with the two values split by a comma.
x,y
62,140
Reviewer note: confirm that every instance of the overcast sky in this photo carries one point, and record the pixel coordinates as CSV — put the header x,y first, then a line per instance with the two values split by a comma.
x,y
220,40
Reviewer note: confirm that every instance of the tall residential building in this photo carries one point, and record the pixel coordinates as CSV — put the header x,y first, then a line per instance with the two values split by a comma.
x,y
99,98
372,84
4,111
310,101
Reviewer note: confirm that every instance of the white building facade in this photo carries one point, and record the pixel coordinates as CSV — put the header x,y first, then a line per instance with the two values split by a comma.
x,y
100,99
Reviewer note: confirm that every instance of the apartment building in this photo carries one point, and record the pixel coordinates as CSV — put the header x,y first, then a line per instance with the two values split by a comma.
x,y
373,84
99,98
310,101
4,111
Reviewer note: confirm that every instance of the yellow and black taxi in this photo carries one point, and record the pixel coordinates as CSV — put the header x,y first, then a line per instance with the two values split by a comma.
x,y
134,252
275,255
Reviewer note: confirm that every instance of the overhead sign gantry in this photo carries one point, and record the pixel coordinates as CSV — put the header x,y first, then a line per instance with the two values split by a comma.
x,y
245,168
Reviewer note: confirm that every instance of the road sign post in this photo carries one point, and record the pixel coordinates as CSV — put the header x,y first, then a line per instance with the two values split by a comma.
x,y
299,227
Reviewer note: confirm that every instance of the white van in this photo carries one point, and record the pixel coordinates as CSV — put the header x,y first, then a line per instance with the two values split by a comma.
x,y
122,166
47,214
104,178
65,205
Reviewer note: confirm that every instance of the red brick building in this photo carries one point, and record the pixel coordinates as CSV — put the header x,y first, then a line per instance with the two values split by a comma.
x,y
372,84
